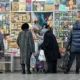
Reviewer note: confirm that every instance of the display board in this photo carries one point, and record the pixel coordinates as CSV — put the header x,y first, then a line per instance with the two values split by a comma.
x,y
59,14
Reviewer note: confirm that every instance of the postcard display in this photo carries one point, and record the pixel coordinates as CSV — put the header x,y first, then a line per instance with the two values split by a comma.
x,y
59,14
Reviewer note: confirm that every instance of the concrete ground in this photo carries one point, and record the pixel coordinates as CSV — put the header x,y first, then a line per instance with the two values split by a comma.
x,y
39,76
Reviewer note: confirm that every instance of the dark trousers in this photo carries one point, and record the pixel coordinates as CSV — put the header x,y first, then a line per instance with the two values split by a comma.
x,y
52,66
72,57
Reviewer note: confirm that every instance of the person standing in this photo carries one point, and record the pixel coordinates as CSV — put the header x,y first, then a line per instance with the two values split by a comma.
x,y
1,46
51,50
26,43
73,44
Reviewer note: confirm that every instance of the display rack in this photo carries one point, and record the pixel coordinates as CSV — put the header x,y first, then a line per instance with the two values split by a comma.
x,y
64,21
60,14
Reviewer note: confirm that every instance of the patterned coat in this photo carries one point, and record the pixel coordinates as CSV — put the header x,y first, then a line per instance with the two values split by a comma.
x,y
26,43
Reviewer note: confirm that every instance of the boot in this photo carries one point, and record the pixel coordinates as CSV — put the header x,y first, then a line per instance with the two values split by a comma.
x,y
23,68
1,72
67,71
77,71
28,72
28,68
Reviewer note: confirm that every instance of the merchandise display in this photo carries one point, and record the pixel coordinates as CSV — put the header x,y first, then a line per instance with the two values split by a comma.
x,y
15,6
21,6
40,19
17,19
63,24
4,6
58,14
62,5
5,23
46,5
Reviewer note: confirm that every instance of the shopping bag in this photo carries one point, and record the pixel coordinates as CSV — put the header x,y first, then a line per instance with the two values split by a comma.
x,y
41,56
64,61
32,61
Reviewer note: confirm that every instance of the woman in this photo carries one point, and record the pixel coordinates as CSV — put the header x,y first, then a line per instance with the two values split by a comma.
x,y
26,43
51,51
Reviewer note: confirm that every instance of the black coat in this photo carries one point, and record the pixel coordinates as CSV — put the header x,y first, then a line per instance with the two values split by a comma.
x,y
50,47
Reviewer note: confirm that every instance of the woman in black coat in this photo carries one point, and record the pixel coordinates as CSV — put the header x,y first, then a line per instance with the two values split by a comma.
x,y
51,50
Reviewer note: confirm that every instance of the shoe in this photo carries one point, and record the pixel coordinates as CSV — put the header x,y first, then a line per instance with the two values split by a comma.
x,y
77,71
28,72
66,72
23,72
54,71
1,72
48,71
23,68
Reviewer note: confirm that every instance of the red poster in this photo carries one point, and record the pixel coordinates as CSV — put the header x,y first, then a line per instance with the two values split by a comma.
x,y
28,1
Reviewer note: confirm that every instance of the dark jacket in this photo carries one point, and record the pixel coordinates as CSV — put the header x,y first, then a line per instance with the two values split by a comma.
x,y
50,46
1,45
26,43
74,38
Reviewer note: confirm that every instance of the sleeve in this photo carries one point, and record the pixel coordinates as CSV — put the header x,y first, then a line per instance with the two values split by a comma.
x,y
18,38
45,42
32,45
69,41
2,45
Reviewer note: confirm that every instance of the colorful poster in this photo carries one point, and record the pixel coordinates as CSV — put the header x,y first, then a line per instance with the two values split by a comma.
x,y
38,5
28,1
62,7
15,6
4,7
28,6
22,6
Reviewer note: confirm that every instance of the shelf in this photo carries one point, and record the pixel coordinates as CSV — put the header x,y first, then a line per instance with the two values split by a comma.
x,y
65,21
65,16
65,10
19,11
62,30
42,11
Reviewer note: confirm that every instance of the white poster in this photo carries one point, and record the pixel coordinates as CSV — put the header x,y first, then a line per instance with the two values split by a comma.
x,y
22,0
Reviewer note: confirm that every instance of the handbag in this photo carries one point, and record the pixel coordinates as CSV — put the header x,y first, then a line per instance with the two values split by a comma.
x,y
64,61
41,56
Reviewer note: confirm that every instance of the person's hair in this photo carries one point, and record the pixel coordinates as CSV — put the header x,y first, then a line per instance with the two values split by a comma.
x,y
25,26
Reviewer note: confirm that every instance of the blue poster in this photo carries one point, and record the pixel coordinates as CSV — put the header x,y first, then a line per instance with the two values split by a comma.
x,y
49,1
